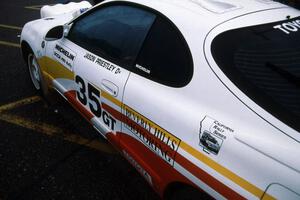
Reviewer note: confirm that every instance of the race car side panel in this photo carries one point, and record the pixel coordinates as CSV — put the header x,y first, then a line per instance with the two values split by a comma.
x,y
133,148
271,146
175,114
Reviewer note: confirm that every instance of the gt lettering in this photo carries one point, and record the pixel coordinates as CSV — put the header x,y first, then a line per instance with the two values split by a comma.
x,y
92,99
108,120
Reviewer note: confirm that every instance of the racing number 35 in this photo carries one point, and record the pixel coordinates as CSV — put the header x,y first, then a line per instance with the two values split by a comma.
x,y
93,96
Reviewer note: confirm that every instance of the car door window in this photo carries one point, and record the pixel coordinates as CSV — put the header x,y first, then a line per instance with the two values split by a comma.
x,y
165,56
114,32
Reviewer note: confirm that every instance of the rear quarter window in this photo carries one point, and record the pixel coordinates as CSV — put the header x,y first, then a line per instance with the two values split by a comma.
x,y
165,57
264,62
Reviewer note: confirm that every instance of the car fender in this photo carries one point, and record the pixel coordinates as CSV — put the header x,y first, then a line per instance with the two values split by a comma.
x,y
34,32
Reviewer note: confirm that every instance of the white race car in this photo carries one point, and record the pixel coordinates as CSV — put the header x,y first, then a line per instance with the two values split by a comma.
x,y
201,96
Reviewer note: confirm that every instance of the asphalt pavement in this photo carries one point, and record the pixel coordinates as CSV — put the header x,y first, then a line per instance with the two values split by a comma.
x,y
48,151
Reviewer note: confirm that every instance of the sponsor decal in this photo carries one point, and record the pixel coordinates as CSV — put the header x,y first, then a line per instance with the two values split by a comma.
x,y
143,69
141,170
64,55
161,142
288,27
104,64
213,134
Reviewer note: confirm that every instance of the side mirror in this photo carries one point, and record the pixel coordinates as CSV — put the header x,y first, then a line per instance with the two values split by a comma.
x,y
55,33
67,28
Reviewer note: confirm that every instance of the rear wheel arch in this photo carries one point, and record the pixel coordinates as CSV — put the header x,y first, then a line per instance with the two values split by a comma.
x,y
26,49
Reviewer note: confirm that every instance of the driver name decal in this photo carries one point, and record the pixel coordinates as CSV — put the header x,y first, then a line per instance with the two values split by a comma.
x,y
102,63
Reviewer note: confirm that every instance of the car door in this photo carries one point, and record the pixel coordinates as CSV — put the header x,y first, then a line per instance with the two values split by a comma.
x,y
154,96
103,44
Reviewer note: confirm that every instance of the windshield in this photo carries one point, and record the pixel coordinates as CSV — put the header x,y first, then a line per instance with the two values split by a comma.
x,y
264,62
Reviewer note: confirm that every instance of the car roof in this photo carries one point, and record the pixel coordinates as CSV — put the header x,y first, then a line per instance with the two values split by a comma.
x,y
211,8
205,14
215,6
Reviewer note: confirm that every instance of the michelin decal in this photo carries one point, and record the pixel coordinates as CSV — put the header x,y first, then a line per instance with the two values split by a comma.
x,y
64,55
213,134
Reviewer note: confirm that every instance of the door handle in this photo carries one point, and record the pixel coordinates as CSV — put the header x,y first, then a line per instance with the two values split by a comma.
x,y
110,87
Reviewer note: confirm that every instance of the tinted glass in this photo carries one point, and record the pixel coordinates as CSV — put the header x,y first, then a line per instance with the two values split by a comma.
x,y
114,32
264,62
165,57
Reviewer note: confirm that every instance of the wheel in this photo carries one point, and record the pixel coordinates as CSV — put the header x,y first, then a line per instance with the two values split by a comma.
x,y
34,71
37,79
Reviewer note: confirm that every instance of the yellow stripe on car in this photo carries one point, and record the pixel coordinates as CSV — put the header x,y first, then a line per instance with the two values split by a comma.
x,y
225,172
201,157
57,70
54,68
